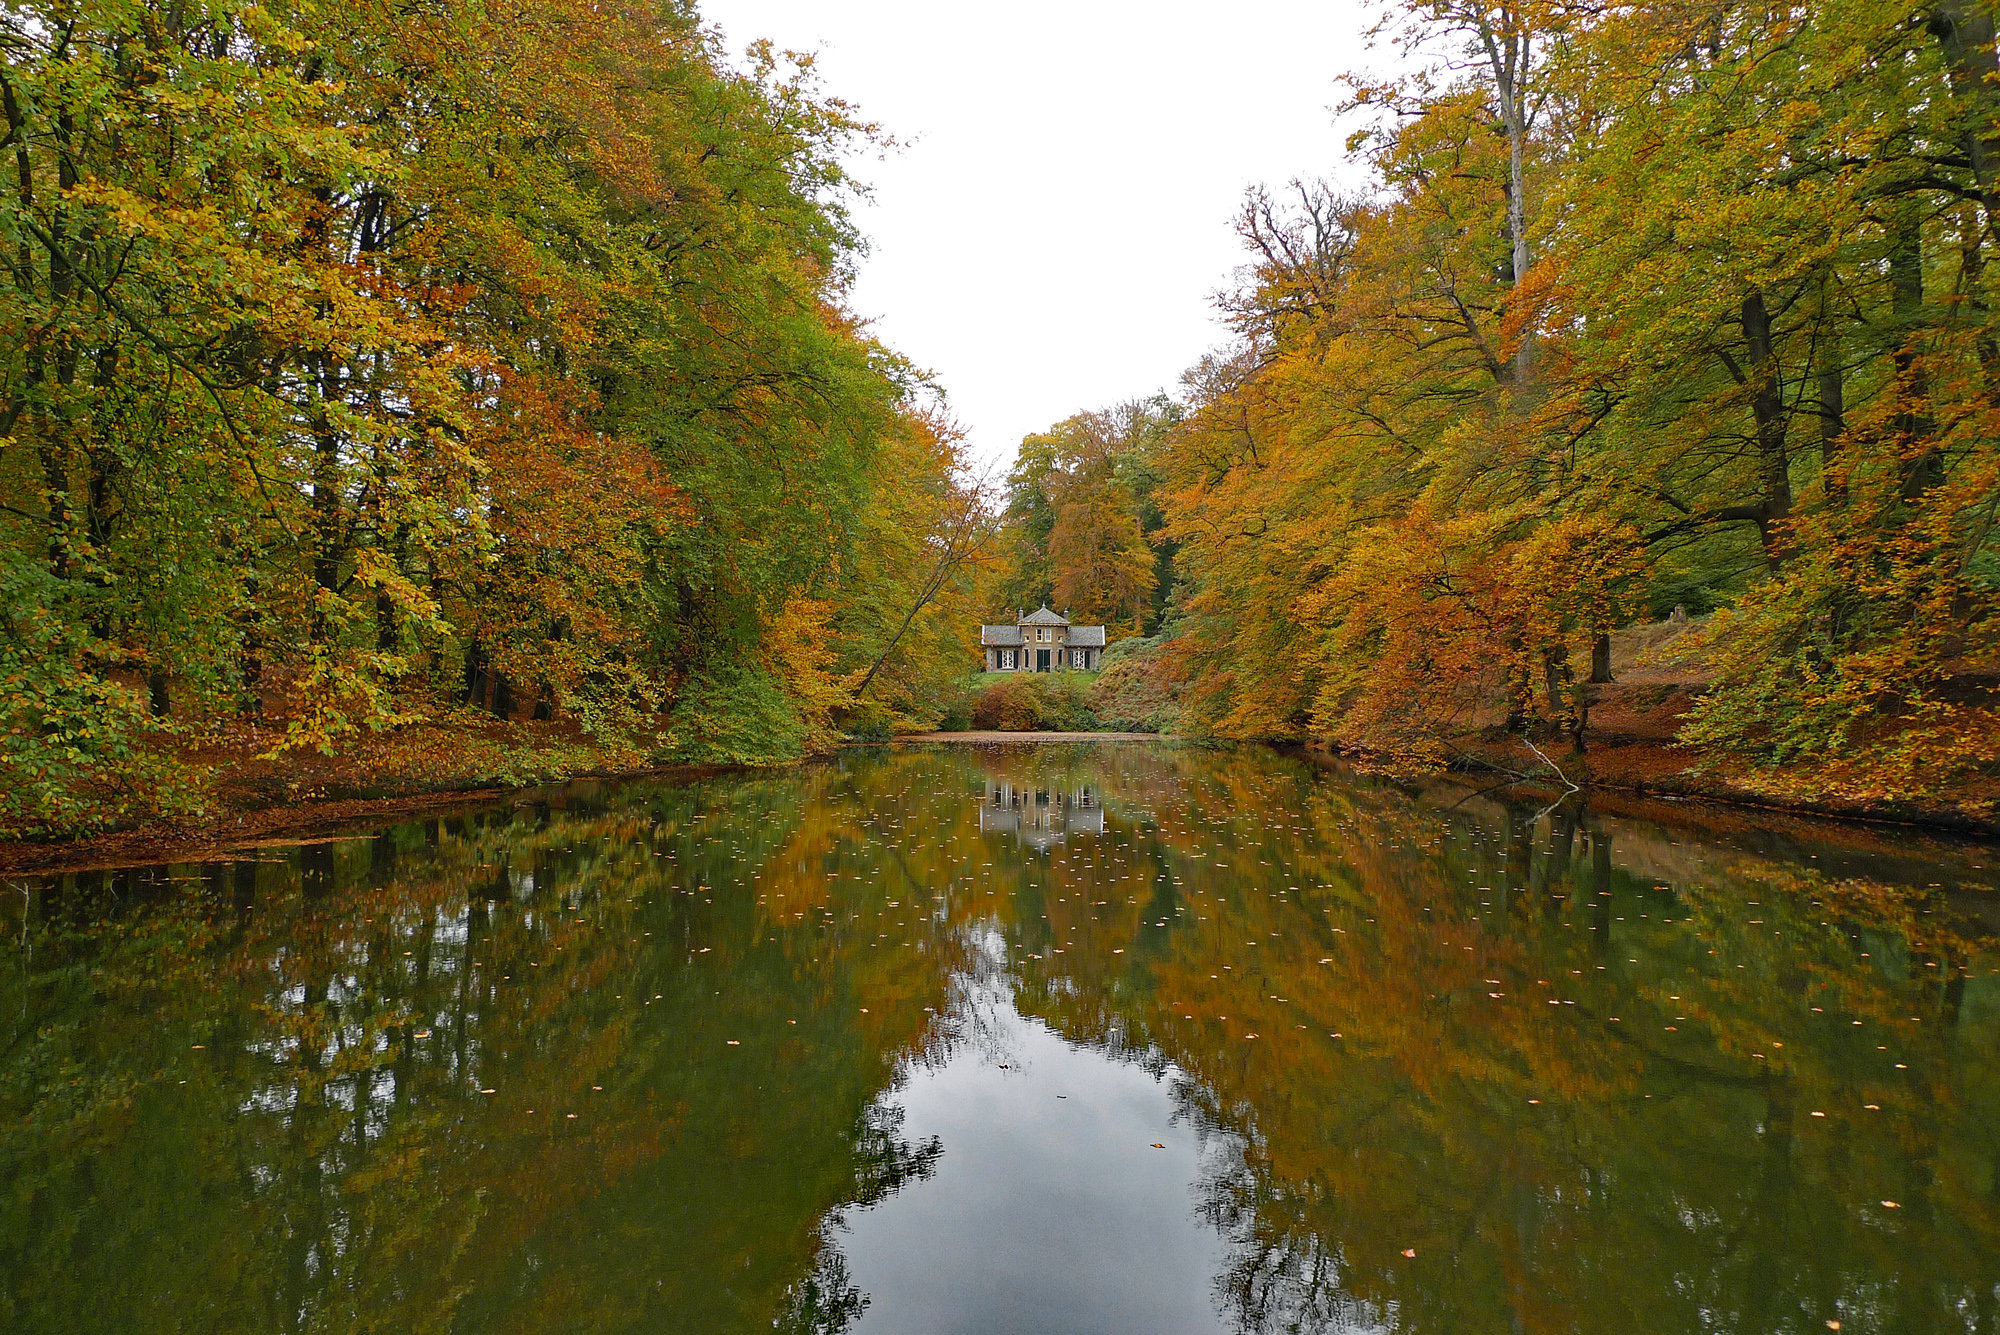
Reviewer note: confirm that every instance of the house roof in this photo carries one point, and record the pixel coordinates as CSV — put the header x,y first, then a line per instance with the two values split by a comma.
x,y
1086,637
1043,617
1000,635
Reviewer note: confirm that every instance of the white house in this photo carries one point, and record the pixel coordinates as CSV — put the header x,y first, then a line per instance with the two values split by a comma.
x,y
1041,641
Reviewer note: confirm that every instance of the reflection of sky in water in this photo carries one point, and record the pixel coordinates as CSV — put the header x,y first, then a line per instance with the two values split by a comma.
x,y
1050,1208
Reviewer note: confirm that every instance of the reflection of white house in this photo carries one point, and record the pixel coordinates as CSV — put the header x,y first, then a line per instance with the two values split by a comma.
x,y
1040,816
1041,641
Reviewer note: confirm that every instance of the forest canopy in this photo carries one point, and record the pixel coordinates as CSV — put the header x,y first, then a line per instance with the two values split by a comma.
x,y
371,365
1642,309
386,373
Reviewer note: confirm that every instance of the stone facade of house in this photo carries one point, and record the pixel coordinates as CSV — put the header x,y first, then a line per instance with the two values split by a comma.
x,y
1041,641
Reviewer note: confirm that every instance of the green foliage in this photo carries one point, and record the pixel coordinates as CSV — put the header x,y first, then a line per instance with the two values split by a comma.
x,y
362,363
73,742
734,715
870,721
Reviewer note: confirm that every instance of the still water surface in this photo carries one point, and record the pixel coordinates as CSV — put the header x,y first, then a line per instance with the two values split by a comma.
x,y
1130,1038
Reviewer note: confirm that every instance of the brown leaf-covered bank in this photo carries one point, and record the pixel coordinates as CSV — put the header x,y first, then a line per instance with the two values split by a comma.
x,y
250,798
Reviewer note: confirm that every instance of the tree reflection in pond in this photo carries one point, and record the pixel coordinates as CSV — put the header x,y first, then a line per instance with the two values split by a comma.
x,y
642,1057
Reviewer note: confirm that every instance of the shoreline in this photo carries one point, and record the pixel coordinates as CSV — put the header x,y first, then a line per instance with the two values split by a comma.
x,y
250,816
212,838
251,823
1671,785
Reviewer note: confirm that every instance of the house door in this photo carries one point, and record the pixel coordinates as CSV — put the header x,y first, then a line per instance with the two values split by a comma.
x,y
1041,660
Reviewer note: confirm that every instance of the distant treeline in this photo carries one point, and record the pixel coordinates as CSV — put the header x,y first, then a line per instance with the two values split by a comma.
x,y
363,362
1645,307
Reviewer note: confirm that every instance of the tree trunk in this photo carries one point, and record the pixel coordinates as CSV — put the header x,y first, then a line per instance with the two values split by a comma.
x,y
1568,699
1508,53
1964,29
388,636
1972,268
1922,461
1556,676
1520,687
1600,658
1767,411
325,520
250,656
1833,404
475,673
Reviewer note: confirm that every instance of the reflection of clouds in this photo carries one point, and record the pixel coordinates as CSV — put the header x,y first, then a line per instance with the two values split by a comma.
x,y
974,1018
1040,814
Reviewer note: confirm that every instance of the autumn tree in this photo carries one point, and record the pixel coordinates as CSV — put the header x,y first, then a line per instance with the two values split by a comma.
x,y
1082,515
373,365
1749,251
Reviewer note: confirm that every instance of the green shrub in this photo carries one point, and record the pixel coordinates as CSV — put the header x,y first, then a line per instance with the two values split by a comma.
x,y
78,751
869,721
1133,692
735,715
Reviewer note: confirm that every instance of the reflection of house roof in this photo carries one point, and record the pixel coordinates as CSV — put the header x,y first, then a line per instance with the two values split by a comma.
x,y
1086,637
1043,617
1000,635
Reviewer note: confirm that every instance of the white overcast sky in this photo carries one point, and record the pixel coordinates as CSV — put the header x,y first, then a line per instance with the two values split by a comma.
x,y
1049,237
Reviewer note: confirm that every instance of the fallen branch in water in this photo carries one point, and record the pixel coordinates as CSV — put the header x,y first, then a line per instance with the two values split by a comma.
x,y
1551,764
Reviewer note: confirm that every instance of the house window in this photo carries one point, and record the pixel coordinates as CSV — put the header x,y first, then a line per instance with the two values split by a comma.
x,y
1076,657
1007,660
1042,634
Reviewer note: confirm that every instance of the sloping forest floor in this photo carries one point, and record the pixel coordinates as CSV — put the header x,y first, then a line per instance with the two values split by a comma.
x,y
1630,745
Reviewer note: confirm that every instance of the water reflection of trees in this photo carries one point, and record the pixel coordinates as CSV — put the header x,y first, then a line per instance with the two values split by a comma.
x,y
474,1072
1599,1099
1572,1063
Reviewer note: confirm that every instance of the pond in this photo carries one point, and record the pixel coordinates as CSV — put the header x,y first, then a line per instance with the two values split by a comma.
x,y
1066,1038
